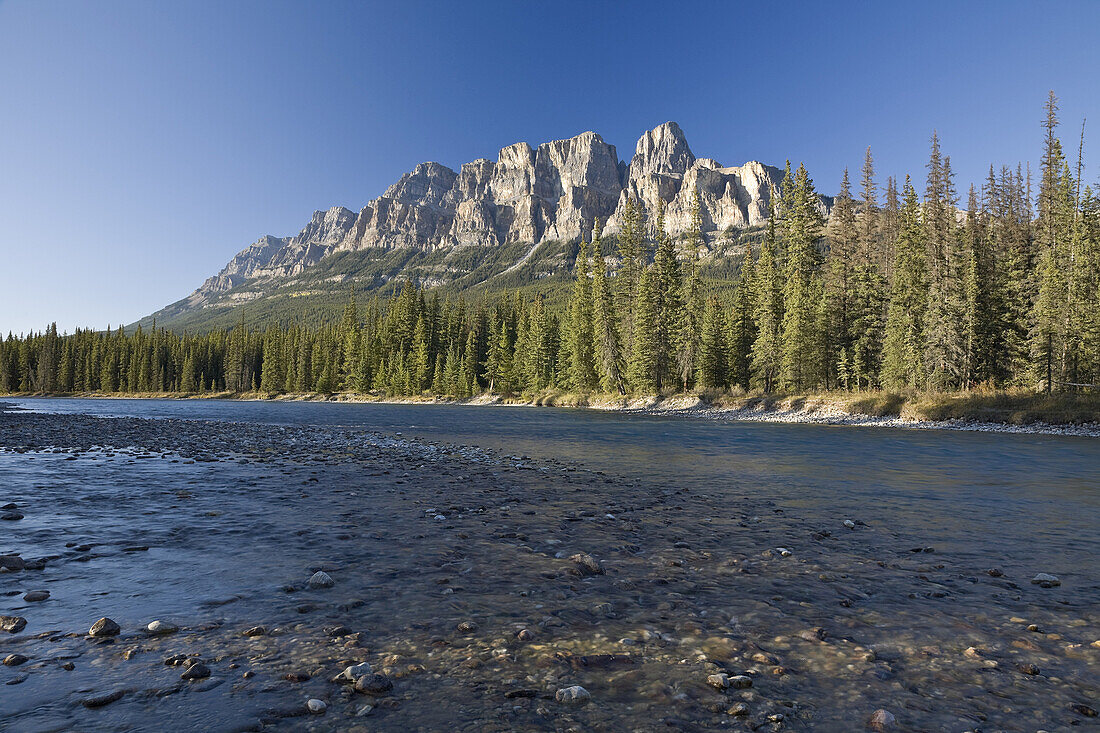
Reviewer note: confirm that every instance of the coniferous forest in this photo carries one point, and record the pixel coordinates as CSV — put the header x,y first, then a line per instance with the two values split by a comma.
x,y
910,285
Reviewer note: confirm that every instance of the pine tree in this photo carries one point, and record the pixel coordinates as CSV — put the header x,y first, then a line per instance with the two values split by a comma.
x,y
630,244
800,367
608,354
903,362
768,313
742,325
643,369
581,331
713,372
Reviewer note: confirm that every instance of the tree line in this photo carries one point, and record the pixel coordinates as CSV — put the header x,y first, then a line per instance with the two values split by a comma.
x,y
897,290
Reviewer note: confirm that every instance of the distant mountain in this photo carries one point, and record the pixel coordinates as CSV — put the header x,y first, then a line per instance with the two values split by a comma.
x,y
488,220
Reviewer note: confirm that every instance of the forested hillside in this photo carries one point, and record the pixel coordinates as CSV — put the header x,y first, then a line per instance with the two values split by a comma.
x,y
901,289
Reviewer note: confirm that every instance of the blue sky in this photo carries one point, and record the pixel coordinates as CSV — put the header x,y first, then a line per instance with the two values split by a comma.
x,y
142,144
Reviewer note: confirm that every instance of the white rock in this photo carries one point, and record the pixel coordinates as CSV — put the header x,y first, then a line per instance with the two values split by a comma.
x,y
1046,580
321,579
355,671
849,524
575,695
162,627
317,707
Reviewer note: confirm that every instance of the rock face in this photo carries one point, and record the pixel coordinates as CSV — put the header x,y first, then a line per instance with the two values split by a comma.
x,y
529,195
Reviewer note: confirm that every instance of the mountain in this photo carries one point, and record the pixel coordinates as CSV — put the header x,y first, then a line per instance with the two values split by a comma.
x,y
488,220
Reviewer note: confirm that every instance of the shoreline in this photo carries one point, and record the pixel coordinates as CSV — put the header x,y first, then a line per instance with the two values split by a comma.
x,y
812,409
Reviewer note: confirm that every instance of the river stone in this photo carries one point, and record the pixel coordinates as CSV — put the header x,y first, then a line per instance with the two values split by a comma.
x,y
1046,580
315,706
36,595
587,564
12,562
161,627
99,701
11,516
467,627
196,671
882,720
104,627
12,624
741,682
720,681
738,710
575,695
256,631
849,524
373,684
321,579
354,672
14,660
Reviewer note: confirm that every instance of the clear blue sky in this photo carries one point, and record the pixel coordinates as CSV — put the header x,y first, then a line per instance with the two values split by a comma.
x,y
142,144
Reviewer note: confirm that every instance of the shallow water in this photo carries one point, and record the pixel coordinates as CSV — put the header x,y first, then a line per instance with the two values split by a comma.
x,y
421,538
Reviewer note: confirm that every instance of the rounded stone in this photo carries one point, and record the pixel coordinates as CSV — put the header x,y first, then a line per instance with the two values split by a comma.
x,y
315,706
575,695
104,627
321,579
12,624
373,684
161,627
882,720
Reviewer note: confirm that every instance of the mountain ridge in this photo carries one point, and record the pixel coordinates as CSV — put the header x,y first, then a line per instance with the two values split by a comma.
x,y
528,196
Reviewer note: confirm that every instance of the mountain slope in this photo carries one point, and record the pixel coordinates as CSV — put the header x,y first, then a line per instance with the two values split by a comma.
x,y
504,221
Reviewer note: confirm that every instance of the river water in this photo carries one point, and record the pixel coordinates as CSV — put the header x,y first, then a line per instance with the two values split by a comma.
x,y
709,501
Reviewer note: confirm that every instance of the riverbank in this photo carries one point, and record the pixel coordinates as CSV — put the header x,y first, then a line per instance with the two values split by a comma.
x,y
1007,412
476,591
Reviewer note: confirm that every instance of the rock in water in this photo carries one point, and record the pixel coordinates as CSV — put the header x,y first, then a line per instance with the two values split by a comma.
x,y
719,681
321,579
99,701
354,672
12,624
741,682
1046,580
104,627
374,684
575,695
317,707
196,671
161,627
14,660
36,595
882,720
13,563
11,516
587,564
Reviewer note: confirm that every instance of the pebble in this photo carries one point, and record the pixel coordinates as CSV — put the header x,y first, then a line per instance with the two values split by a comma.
x,y
13,563
849,524
354,672
14,660
575,695
587,564
741,682
1046,580
161,627
321,579
256,631
373,684
720,681
104,627
99,701
196,671
12,624
467,627
11,516
315,706
738,710
882,720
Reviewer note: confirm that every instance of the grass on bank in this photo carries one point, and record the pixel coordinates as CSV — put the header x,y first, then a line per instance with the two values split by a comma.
x,y
1012,407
